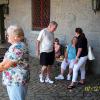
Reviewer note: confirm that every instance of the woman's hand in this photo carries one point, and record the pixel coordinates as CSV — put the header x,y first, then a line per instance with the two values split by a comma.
x,y
6,63
1,67
76,61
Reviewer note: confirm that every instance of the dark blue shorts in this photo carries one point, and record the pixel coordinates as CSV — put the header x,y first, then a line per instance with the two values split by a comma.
x,y
47,58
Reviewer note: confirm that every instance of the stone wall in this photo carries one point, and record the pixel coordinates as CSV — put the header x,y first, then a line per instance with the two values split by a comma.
x,y
69,14
78,13
20,14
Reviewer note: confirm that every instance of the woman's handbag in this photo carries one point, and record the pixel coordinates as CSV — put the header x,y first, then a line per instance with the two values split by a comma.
x,y
90,53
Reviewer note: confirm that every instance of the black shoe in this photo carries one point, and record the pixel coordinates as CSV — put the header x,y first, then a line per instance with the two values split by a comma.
x,y
71,87
79,83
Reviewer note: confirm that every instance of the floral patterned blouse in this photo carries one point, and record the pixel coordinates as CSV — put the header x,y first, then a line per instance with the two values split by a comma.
x,y
17,73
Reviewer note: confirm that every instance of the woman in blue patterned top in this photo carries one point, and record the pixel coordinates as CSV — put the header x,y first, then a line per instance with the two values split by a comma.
x,y
14,67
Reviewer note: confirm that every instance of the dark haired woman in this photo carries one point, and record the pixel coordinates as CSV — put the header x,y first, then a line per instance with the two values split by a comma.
x,y
81,58
57,48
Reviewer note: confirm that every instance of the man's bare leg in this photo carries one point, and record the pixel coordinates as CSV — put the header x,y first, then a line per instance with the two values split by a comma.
x,y
43,71
49,70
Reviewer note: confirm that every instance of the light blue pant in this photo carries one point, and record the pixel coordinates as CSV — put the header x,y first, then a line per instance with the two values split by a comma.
x,y
17,92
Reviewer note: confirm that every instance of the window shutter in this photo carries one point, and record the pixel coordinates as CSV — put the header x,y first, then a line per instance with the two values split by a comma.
x,y
41,14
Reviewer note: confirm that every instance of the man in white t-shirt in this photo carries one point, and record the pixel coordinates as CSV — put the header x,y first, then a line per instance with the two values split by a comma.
x,y
45,47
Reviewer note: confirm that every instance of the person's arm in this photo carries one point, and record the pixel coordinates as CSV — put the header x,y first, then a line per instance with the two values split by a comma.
x,y
5,64
39,39
13,57
80,47
66,55
78,54
38,47
66,52
1,67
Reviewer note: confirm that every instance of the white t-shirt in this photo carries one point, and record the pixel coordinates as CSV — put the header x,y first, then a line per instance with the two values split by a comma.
x,y
46,39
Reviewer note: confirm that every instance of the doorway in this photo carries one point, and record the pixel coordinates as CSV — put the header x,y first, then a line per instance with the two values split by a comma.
x,y
2,28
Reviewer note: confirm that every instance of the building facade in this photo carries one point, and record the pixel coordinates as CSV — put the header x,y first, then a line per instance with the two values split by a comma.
x,y
69,14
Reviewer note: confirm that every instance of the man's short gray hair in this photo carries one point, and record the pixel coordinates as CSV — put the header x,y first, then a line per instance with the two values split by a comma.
x,y
54,23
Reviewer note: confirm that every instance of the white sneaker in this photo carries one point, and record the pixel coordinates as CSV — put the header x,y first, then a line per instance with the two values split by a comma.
x,y
41,78
47,80
68,77
59,77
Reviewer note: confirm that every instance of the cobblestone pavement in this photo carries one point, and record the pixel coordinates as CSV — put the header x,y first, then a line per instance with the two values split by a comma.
x,y
58,90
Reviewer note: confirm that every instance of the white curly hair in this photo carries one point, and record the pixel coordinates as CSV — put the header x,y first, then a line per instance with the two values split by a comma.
x,y
15,30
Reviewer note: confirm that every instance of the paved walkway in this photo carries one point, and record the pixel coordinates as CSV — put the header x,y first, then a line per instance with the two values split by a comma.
x,y
58,90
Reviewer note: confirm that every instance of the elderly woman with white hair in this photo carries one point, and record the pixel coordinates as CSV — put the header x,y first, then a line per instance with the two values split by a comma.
x,y
15,67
